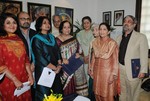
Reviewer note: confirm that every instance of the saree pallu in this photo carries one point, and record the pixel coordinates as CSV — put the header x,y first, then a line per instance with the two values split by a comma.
x,y
77,80
81,82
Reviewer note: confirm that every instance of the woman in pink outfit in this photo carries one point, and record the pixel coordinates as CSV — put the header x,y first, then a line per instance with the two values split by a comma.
x,y
104,65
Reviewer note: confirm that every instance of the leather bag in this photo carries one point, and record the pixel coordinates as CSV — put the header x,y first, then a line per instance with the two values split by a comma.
x,y
146,84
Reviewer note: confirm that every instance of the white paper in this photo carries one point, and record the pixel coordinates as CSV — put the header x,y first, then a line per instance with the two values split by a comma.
x,y
81,98
2,75
25,88
47,77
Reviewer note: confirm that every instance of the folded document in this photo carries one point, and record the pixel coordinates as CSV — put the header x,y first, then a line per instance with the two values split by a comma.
x,y
47,77
2,75
135,65
74,64
25,88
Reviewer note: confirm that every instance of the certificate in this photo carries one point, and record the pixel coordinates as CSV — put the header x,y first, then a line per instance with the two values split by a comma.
x,y
25,88
74,64
47,77
135,65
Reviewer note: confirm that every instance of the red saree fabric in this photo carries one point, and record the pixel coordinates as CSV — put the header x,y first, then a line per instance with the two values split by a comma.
x,y
13,56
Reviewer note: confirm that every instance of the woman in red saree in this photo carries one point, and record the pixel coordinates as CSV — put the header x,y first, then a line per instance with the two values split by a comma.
x,y
105,66
14,61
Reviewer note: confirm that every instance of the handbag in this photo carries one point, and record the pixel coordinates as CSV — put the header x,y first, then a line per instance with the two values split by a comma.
x,y
146,84
146,81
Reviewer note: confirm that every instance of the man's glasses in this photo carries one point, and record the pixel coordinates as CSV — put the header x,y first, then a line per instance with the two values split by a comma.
x,y
25,19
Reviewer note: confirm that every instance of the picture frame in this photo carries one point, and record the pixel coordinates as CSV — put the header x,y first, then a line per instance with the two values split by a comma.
x,y
118,17
34,7
107,17
13,7
65,13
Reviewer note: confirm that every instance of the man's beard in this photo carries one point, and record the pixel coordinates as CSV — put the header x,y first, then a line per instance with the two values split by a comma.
x,y
125,28
25,26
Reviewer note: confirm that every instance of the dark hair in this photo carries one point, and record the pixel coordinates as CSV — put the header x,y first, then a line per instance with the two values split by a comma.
x,y
39,23
62,25
132,17
3,17
107,26
88,18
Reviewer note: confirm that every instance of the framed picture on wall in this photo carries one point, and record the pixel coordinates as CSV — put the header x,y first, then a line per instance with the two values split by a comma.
x,y
118,17
13,7
40,9
107,17
65,13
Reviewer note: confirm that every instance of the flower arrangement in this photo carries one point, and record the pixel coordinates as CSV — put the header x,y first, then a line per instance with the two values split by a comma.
x,y
53,97
78,27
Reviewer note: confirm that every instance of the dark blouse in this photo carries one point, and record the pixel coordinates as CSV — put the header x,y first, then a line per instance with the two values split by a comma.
x,y
43,55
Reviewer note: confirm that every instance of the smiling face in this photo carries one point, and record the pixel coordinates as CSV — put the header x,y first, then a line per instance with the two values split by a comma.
x,y
104,32
45,26
66,28
10,25
86,24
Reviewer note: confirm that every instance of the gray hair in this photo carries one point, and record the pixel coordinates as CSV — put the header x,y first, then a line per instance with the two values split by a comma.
x,y
132,17
41,8
94,26
55,16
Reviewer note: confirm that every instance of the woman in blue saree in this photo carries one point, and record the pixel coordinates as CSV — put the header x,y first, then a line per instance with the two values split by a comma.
x,y
45,54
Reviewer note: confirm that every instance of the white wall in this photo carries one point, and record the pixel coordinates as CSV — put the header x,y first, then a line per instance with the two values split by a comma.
x,y
81,7
92,8
111,5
